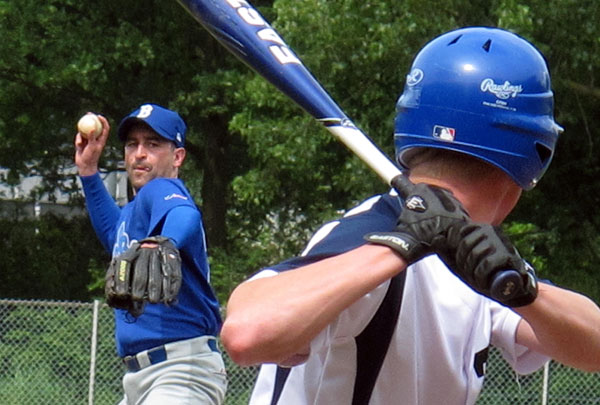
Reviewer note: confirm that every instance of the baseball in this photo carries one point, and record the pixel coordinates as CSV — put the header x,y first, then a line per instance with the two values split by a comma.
x,y
89,125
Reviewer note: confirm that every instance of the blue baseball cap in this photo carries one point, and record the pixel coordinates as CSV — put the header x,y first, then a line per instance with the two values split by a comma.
x,y
164,122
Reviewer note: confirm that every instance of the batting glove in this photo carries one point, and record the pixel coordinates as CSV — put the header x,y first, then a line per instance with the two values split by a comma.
x,y
477,252
427,214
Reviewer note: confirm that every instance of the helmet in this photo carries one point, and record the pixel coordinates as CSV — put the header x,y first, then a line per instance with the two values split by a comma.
x,y
481,91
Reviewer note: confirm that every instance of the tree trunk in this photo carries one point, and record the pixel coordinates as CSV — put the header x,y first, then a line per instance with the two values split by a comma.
x,y
215,180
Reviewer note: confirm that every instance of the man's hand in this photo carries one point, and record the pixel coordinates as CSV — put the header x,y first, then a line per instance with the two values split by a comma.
x,y
477,252
433,221
427,214
89,150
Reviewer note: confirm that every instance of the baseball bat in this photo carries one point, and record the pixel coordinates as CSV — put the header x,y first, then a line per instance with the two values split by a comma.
x,y
238,26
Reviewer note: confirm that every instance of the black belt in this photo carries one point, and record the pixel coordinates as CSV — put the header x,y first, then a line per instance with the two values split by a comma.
x,y
159,354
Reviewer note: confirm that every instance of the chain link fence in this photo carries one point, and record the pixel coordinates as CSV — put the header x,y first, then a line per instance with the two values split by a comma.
x,y
63,353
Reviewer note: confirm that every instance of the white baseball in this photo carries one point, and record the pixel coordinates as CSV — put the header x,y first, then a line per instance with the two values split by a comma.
x,y
89,125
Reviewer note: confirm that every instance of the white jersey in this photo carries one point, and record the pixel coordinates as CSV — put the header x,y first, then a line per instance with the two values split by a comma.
x,y
439,346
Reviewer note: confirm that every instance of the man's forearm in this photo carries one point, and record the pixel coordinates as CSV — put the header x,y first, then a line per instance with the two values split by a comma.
x,y
564,325
273,318
103,211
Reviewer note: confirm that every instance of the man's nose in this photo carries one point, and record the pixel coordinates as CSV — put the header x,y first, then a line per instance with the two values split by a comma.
x,y
140,151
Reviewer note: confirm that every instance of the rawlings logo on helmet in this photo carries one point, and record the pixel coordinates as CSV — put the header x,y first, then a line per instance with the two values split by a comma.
x,y
502,91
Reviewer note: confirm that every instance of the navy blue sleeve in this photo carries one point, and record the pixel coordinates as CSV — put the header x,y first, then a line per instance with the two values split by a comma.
x,y
103,210
378,213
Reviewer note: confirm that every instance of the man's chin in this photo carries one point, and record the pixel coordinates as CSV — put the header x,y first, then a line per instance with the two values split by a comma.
x,y
139,182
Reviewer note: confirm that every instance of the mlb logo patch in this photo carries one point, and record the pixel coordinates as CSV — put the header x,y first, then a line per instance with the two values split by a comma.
x,y
444,133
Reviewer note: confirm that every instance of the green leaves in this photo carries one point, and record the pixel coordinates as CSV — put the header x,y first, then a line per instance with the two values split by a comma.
x,y
264,172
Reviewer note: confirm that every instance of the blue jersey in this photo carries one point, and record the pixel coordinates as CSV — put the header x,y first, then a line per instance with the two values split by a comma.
x,y
162,207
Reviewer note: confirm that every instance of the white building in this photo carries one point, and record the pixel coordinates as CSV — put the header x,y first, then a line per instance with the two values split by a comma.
x,y
17,201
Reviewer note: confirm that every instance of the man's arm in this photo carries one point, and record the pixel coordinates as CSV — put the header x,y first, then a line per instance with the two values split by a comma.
x,y
272,319
556,322
102,209
563,325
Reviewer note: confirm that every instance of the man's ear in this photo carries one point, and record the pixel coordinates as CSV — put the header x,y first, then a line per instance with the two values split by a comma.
x,y
179,157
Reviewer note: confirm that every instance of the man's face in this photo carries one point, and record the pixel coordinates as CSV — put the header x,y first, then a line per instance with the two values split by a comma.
x,y
148,156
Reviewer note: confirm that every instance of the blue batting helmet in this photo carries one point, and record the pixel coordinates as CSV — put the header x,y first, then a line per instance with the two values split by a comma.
x,y
485,92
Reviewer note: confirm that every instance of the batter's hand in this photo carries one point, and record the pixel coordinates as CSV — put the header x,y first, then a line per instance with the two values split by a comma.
x,y
477,252
433,221
89,150
427,214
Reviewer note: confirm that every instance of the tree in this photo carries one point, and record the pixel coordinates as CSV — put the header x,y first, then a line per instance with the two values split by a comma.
x,y
264,173
49,257
361,55
62,58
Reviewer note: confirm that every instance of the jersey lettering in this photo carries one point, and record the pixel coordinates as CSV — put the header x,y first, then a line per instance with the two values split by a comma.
x,y
122,242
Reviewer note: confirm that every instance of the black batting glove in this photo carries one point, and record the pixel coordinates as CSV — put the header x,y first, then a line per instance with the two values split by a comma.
x,y
427,214
476,253
433,221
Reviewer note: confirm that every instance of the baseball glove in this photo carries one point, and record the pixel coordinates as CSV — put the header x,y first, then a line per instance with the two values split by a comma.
x,y
149,271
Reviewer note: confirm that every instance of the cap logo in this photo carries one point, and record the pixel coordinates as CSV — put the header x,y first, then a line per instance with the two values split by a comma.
x,y
502,91
145,111
414,77
444,133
